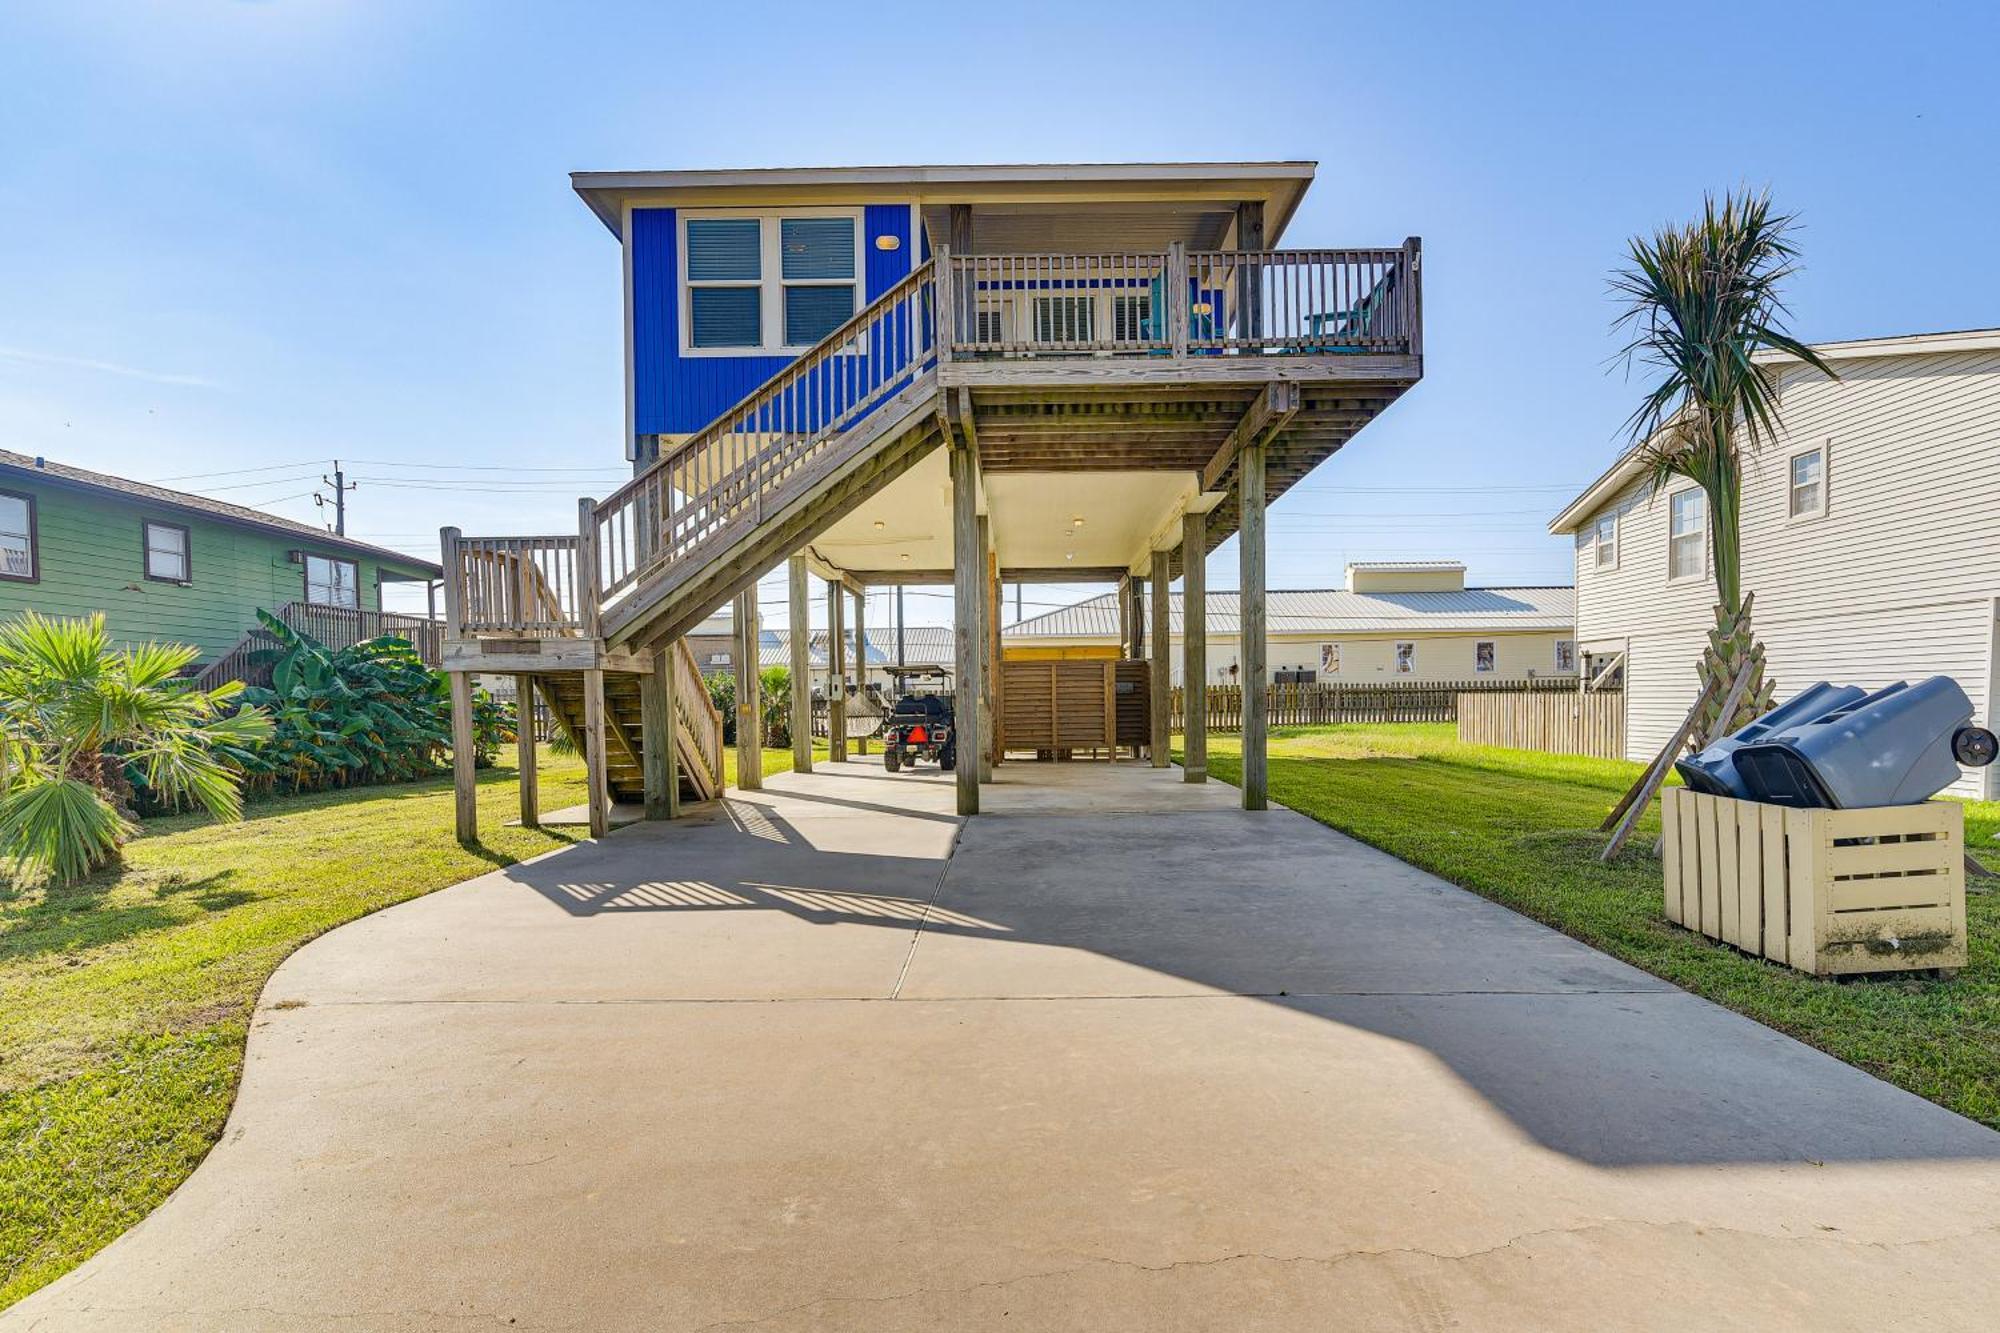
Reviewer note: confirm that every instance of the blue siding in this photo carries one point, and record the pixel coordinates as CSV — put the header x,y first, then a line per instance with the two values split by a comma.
x,y
674,395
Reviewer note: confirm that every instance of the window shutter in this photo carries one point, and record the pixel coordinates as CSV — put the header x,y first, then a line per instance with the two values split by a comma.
x,y
724,250
817,248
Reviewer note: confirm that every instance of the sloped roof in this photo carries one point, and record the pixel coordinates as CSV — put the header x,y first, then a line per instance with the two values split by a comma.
x,y
42,469
923,645
1332,611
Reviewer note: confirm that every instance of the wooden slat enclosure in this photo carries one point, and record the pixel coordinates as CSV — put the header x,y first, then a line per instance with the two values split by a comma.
x,y
1057,708
1830,892
1558,722
1295,705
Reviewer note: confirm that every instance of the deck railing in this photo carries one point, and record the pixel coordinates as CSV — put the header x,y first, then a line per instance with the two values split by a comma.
x,y
721,480
337,627
532,586
721,477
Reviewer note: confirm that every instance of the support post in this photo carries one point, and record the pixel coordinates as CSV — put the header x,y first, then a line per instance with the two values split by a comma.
x,y
598,781
524,751
1124,615
1162,673
464,774
749,695
1194,646
656,735
801,643
990,669
988,609
968,569
836,685
1256,672
861,660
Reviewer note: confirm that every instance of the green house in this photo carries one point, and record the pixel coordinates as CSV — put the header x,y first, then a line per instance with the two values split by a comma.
x,y
170,566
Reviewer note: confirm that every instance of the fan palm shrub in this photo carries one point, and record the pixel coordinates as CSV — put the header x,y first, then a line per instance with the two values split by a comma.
x,y
1700,301
81,721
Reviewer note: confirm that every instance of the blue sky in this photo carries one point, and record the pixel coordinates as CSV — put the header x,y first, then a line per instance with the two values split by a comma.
x,y
242,236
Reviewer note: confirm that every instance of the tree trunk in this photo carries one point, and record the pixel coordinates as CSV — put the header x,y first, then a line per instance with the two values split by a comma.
x,y
1730,644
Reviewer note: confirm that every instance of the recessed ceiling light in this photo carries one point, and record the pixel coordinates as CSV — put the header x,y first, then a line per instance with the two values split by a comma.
x,y
879,525
906,555
1076,522
1069,555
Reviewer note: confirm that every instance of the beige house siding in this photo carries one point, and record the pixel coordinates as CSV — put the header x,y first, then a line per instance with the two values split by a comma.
x,y
1896,580
1368,659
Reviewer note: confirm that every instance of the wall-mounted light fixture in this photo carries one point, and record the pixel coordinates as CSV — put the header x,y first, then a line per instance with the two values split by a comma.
x,y
1202,308
888,242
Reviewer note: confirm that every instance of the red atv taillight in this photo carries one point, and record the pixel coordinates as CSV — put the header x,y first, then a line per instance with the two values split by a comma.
x,y
916,736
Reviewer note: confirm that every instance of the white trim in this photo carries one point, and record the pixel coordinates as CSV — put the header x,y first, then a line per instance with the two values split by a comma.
x,y
771,281
1825,451
1706,520
631,384
1597,561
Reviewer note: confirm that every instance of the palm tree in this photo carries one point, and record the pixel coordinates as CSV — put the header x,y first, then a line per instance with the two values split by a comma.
x,y
1701,300
76,714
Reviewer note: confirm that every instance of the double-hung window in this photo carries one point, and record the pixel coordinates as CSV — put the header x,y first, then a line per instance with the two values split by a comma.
x,y
331,582
18,559
1065,319
1806,492
1482,657
1406,658
770,285
167,559
1604,542
1565,655
1687,534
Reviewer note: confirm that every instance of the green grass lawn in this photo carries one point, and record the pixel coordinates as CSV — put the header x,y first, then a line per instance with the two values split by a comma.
x,y
1519,827
125,999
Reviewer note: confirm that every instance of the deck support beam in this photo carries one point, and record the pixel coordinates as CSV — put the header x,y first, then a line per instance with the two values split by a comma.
x,y
524,751
801,645
1194,645
464,760
969,565
1162,673
860,656
658,744
1256,673
989,612
597,780
749,694
836,666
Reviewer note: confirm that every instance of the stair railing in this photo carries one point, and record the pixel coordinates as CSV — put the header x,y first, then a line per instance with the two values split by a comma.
x,y
722,477
698,712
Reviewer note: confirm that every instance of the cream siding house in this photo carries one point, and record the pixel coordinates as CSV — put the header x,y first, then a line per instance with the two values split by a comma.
x,y
1394,622
1871,538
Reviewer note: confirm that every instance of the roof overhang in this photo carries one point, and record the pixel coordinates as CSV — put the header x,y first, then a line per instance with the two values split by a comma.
x,y
1279,186
1631,464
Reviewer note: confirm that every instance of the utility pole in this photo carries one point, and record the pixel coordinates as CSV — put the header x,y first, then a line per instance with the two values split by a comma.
x,y
900,662
340,489
1017,603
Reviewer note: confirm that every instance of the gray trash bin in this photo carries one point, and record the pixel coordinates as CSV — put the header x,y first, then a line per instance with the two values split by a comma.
x,y
1897,746
1713,770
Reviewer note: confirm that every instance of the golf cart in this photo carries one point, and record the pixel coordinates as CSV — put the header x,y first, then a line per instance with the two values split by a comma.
x,y
920,725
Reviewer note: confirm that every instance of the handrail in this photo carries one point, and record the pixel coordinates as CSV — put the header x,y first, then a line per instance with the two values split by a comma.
x,y
722,474
703,719
522,585
1260,302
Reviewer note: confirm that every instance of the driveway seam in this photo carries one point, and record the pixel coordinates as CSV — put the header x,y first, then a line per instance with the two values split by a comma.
x,y
995,999
896,991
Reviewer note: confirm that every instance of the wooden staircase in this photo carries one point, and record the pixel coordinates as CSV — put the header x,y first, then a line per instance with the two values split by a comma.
x,y
697,730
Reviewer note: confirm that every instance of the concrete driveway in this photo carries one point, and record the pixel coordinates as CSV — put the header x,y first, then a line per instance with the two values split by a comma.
x,y
1115,1056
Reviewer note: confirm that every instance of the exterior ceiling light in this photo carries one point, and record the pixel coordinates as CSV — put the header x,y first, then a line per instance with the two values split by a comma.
x,y
906,555
1069,555
879,525
1076,522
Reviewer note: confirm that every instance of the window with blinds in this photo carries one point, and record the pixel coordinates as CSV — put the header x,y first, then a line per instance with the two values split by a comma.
x,y
1064,319
725,269
1132,318
771,284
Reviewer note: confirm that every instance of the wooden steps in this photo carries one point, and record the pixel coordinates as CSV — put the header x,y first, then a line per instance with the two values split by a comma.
x,y
624,750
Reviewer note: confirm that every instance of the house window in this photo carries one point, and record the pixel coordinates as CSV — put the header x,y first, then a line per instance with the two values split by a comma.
x,y
1482,657
1329,659
1131,317
990,325
1406,658
167,559
332,582
1807,492
1565,655
769,284
1687,534
1604,542
1065,319
18,557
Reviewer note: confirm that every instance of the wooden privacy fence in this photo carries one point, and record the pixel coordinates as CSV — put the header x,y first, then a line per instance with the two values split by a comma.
x,y
1557,722
1293,705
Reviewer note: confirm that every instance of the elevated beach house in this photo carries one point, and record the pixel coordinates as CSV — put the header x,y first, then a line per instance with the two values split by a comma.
x,y
1870,531
933,374
180,568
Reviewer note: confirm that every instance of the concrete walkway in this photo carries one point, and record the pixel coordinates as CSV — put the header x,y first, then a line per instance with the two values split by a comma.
x,y
1114,1056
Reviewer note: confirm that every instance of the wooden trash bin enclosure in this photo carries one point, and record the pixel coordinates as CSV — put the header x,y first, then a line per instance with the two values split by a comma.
x,y
1830,892
1056,708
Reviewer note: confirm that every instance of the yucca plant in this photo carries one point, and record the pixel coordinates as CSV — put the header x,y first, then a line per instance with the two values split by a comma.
x,y
77,716
1701,300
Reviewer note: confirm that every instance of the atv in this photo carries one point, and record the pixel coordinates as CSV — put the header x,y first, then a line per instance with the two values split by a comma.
x,y
920,725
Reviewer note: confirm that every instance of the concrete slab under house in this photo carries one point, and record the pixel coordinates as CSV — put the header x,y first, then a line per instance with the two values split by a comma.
x,y
934,375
